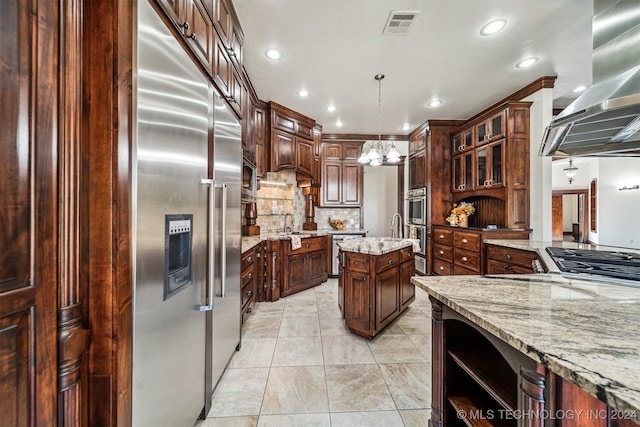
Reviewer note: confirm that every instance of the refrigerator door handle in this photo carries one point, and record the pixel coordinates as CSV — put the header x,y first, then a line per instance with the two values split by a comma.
x,y
208,305
223,237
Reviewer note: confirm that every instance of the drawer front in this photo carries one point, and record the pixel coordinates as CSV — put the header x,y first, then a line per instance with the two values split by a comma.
x,y
406,254
443,252
467,240
310,244
442,268
511,256
387,260
467,259
498,267
248,258
247,276
247,293
357,262
459,271
444,237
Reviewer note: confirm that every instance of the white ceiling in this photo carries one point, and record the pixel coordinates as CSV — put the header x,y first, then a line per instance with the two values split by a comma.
x,y
334,48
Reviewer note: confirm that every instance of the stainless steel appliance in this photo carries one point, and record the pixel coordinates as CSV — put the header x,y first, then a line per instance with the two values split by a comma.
x,y
602,264
605,119
186,213
417,206
421,264
419,232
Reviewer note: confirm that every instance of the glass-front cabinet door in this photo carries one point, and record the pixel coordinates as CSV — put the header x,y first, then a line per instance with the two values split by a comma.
x,y
463,141
490,166
463,172
491,129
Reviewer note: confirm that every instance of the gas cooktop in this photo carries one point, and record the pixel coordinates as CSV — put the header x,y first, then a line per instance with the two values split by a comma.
x,y
621,265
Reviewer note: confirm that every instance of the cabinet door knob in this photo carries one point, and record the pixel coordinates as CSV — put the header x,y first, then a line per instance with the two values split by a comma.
x,y
441,252
465,241
249,293
441,236
249,275
390,261
355,263
307,245
185,25
231,52
465,259
192,36
509,257
249,259
441,268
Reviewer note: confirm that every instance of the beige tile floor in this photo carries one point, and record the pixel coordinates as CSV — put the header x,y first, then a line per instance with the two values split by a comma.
x,y
299,366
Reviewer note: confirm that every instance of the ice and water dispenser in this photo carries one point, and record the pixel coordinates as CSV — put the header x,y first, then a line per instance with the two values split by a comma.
x,y
177,253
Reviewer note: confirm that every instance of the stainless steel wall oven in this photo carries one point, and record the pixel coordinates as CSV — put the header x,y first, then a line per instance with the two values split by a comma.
x,y
417,206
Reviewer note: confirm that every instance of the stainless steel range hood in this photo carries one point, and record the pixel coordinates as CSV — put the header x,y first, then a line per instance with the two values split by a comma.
x,y
605,120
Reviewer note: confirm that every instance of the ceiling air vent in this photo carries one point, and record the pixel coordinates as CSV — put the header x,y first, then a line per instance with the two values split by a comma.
x,y
399,22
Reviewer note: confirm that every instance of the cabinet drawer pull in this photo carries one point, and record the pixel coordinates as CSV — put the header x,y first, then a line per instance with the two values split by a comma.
x,y
231,51
441,236
507,267
509,257
249,259
185,25
389,261
441,252
465,259
307,245
249,293
192,36
441,268
249,275
355,263
465,241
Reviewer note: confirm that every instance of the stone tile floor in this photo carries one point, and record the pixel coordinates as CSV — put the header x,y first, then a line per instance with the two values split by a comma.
x,y
299,366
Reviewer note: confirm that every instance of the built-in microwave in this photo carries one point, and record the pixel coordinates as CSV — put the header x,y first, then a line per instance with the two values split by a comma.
x,y
417,206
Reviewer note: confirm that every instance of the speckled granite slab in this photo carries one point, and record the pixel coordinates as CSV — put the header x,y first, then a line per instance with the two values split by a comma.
x,y
585,331
378,245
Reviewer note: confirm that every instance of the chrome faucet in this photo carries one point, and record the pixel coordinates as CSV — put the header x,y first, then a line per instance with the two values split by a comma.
x,y
288,229
397,231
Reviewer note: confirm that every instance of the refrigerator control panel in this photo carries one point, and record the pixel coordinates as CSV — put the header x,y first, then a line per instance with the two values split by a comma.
x,y
177,253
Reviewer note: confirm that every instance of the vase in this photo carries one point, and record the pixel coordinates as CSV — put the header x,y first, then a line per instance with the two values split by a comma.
x,y
463,220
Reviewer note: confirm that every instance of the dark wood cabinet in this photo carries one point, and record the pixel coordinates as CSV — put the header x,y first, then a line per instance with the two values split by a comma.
x,y
459,251
418,170
502,260
193,22
228,29
342,176
493,172
259,132
250,269
293,142
306,266
374,289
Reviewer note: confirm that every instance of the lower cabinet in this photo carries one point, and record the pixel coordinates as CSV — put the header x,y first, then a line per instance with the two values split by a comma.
x,y
503,260
306,266
373,290
250,269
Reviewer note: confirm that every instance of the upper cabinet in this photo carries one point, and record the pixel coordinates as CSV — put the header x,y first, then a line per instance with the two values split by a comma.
x,y
229,31
193,22
293,142
493,172
342,175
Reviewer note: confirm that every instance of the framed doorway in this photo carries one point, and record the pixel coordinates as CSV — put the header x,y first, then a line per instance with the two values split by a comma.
x,y
570,215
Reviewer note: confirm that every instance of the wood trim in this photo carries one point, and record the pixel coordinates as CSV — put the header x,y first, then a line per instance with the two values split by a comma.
x,y
533,87
583,207
335,137
291,113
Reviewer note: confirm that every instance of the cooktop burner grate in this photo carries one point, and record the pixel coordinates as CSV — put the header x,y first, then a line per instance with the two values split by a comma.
x,y
624,265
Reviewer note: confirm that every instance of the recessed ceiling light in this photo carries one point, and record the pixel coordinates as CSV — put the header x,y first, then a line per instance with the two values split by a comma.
x,y
331,108
303,93
435,103
580,89
527,62
406,126
493,27
273,54
339,123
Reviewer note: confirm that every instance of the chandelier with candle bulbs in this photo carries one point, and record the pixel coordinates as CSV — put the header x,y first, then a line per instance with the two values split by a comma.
x,y
373,152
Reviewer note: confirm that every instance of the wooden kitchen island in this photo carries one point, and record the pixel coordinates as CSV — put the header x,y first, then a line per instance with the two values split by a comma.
x,y
534,350
374,282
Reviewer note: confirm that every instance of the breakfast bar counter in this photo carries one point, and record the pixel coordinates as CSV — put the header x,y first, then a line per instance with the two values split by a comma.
x,y
583,333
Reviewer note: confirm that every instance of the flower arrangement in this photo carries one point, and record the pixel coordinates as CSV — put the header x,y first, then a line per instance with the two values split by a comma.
x,y
459,209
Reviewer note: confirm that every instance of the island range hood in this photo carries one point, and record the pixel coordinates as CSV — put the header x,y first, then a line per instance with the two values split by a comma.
x,y
605,119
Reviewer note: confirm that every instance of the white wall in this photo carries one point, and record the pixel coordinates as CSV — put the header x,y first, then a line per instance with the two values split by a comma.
x,y
379,199
569,211
618,212
540,167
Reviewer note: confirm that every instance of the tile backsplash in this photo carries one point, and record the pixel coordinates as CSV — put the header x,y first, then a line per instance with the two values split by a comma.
x,y
273,202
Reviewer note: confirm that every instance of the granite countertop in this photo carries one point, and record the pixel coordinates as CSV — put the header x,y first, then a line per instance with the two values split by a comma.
x,y
585,331
455,227
539,248
249,242
378,245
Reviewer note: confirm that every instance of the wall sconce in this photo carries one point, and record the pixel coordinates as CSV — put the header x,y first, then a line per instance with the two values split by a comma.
x,y
628,187
570,171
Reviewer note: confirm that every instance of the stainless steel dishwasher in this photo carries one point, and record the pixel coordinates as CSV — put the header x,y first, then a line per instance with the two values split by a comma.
x,y
337,238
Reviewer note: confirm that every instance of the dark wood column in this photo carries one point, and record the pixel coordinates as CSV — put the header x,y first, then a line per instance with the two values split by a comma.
x,y
437,364
309,212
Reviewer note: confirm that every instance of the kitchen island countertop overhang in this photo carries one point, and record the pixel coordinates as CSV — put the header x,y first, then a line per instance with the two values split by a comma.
x,y
587,332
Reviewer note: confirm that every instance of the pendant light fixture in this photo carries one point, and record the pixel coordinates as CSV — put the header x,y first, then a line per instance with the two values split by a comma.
x,y
376,149
570,171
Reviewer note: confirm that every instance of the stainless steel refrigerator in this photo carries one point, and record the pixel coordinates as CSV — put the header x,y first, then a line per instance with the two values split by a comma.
x,y
186,210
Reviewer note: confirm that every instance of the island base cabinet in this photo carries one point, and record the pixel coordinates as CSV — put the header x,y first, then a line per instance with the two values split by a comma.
x,y
373,290
479,380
